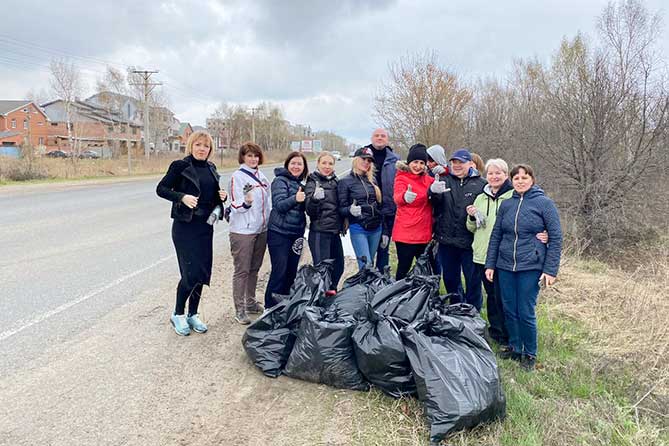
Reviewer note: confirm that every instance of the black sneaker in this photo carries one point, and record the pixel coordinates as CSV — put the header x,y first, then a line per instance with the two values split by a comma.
x,y
255,308
242,318
528,363
505,352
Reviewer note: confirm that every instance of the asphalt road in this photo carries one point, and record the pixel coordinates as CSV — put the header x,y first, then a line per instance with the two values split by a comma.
x,y
73,253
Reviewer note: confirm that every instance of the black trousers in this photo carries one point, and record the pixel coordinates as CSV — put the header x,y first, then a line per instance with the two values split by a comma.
x,y
324,246
406,253
193,243
284,254
494,306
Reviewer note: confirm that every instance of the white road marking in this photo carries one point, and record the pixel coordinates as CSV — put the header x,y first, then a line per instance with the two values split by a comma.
x,y
8,333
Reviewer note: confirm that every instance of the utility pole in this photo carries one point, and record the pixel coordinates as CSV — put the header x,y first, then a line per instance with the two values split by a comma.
x,y
147,89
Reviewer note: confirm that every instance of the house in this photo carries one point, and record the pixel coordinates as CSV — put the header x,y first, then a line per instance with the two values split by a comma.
x,y
23,123
218,129
185,130
91,127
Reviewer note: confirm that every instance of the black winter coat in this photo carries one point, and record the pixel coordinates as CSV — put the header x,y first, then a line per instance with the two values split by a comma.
x,y
323,214
182,179
287,216
358,188
450,215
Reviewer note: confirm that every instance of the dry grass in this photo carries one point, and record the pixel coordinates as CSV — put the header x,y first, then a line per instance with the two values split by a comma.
x,y
625,313
17,170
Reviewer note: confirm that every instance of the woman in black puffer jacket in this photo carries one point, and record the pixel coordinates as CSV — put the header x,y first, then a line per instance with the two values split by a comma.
x,y
326,224
285,235
359,201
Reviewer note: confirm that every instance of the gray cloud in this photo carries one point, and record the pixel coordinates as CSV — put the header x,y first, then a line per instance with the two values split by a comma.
x,y
321,60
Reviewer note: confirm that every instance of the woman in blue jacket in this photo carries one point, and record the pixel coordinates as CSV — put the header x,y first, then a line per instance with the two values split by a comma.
x,y
522,262
287,220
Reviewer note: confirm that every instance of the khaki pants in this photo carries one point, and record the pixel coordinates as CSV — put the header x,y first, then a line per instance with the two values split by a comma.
x,y
248,252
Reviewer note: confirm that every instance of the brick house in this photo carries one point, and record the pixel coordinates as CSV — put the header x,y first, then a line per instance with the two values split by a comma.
x,y
23,122
185,130
91,128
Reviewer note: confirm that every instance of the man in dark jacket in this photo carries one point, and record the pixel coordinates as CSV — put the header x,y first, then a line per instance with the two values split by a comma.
x,y
450,197
384,165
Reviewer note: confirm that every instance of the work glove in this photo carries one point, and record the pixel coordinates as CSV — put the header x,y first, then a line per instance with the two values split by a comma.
x,y
409,195
319,192
215,216
385,240
438,170
438,187
248,194
480,219
355,210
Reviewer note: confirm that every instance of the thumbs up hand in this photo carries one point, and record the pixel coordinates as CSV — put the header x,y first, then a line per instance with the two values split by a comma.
x,y
438,187
355,210
299,196
409,195
319,192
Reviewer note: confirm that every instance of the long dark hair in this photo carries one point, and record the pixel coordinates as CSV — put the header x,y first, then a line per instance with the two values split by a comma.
x,y
292,155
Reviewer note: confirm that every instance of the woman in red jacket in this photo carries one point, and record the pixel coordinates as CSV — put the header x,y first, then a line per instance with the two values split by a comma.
x,y
413,221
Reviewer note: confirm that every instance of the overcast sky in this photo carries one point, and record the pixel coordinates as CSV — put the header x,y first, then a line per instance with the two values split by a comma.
x,y
321,61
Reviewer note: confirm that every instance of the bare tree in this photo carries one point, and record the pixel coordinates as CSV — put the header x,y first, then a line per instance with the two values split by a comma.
x,y
422,102
112,88
67,84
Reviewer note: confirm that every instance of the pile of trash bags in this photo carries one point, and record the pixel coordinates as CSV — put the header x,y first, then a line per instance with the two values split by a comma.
x,y
400,336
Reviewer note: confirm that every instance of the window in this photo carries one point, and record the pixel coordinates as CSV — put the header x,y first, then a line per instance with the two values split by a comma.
x,y
13,123
40,123
55,124
25,123
134,130
41,141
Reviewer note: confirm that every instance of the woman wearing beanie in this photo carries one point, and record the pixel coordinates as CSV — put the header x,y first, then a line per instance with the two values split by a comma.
x,y
413,222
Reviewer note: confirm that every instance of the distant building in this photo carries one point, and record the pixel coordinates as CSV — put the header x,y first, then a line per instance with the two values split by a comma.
x,y
23,123
218,129
92,127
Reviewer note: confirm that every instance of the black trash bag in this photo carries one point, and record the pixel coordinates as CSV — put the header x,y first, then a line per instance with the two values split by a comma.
x,y
413,303
369,276
352,300
380,354
468,315
383,295
269,340
456,374
323,352
423,265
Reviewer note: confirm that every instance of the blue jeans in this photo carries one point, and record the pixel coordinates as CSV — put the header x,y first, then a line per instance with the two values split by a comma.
x,y
365,243
454,261
519,297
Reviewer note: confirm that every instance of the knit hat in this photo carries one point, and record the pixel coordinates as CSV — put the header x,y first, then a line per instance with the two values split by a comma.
x,y
417,152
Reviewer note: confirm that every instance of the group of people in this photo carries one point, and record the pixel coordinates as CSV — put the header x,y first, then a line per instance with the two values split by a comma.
x,y
501,233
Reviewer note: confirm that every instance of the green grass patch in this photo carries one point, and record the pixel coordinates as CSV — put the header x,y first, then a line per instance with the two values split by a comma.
x,y
566,401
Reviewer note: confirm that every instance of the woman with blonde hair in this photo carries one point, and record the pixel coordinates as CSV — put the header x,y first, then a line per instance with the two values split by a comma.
x,y
191,184
326,225
359,201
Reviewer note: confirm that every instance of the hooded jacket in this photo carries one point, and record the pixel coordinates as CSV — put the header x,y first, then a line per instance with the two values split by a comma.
x,y
450,215
387,207
488,204
323,214
245,219
287,216
358,188
182,179
413,221
513,244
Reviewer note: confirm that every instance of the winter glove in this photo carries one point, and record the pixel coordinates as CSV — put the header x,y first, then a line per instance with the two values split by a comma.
x,y
384,241
438,170
480,219
409,195
215,216
319,192
355,210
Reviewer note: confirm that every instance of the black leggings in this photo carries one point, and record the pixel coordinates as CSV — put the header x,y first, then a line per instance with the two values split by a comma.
x,y
191,295
324,246
406,252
